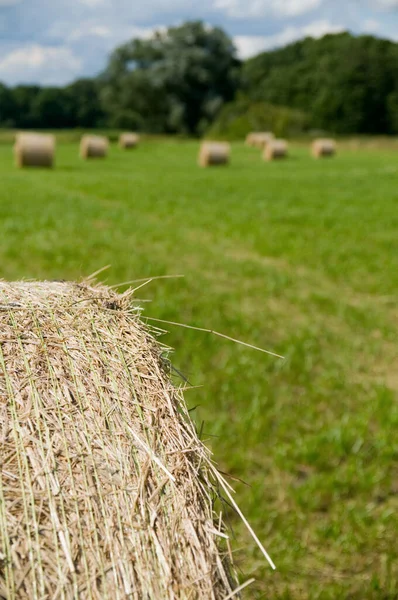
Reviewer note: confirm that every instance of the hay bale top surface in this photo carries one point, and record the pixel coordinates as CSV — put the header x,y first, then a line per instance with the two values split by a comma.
x,y
32,137
259,139
106,490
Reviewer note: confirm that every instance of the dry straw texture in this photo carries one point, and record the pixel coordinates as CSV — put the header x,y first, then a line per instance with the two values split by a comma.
x,y
214,153
94,146
275,149
323,147
105,489
129,140
34,150
259,139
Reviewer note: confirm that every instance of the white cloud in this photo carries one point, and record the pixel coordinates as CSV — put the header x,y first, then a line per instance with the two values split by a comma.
x,y
371,26
250,45
9,2
243,9
49,65
84,31
320,28
92,3
110,36
386,3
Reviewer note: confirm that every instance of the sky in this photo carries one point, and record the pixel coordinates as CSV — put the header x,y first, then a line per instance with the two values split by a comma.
x,y
53,42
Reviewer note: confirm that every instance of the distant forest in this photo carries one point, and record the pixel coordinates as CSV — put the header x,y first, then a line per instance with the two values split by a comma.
x,y
188,80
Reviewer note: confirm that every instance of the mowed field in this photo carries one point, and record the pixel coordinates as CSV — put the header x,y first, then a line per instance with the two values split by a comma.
x,y
299,257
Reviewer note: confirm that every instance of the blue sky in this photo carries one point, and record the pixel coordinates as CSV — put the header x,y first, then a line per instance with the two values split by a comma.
x,y
52,42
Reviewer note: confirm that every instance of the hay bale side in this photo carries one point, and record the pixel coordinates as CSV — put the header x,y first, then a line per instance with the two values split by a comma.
x,y
128,140
249,141
214,154
259,139
94,146
275,149
34,150
322,148
106,490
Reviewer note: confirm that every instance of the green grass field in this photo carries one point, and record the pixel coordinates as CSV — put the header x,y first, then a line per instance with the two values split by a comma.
x,y
299,257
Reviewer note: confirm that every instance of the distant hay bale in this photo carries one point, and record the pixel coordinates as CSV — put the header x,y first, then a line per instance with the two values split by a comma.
x,y
106,490
323,148
129,140
94,146
275,149
259,139
34,150
214,153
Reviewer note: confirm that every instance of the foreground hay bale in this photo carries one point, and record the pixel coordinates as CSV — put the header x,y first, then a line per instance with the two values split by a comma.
x,y
259,139
276,149
105,489
94,146
128,140
214,153
34,150
323,148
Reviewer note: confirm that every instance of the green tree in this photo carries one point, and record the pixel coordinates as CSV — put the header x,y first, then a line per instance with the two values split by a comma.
x,y
52,108
176,81
8,113
23,99
85,104
343,81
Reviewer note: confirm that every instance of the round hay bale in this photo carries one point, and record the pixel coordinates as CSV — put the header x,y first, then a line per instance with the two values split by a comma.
x,y
34,150
275,149
94,146
106,490
128,140
214,154
323,148
259,139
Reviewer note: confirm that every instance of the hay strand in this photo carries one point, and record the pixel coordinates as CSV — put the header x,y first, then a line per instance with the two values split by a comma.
x,y
218,334
106,491
94,146
34,150
214,154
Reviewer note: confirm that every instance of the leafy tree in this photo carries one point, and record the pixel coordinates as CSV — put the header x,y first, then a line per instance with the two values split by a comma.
x,y
343,81
177,80
85,106
52,108
239,118
8,114
392,102
23,99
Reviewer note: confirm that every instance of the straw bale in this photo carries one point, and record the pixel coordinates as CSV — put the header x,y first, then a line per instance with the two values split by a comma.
x,y
323,148
94,146
214,153
259,139
129,140
106,490
34,150
275,149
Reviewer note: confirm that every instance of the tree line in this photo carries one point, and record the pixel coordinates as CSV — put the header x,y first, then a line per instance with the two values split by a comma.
x,y
188,80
